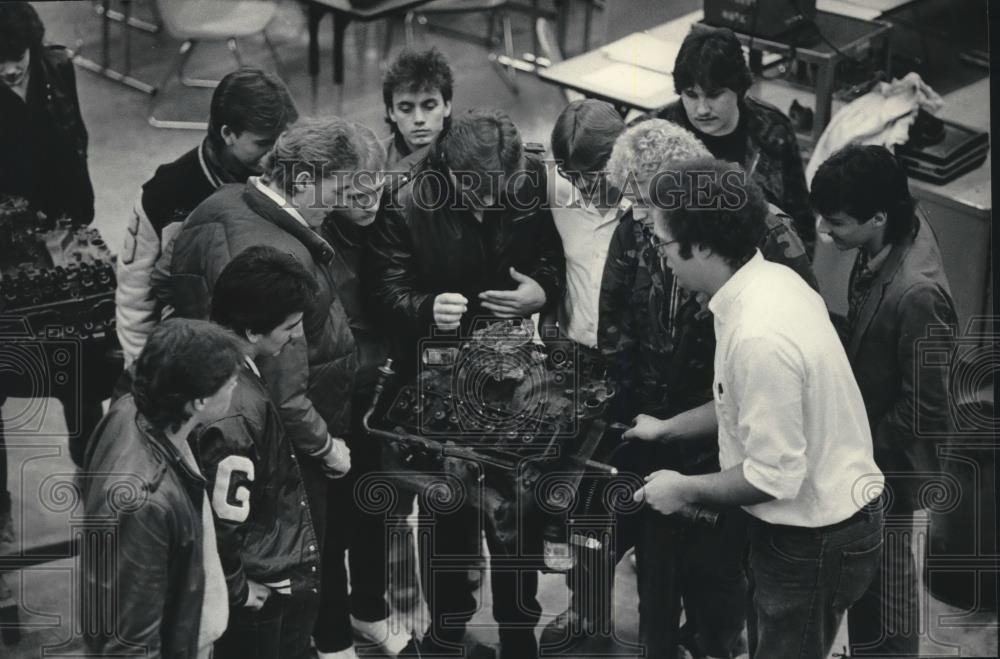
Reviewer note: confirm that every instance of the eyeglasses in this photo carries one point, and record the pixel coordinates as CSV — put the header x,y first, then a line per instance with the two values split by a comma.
x,y
660,245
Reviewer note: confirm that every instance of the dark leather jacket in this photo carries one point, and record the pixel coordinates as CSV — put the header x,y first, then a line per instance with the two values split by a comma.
x,y
773,159
262,521
56,180
142,580
312,380
420,250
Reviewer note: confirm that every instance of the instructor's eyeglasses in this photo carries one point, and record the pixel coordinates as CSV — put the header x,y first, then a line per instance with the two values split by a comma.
x,y
660,245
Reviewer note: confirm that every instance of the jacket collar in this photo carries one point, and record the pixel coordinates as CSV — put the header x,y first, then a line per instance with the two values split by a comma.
x,y
264,206
402,148
169,454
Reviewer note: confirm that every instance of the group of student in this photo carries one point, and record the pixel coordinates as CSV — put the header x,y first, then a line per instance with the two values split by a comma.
x,y
269,271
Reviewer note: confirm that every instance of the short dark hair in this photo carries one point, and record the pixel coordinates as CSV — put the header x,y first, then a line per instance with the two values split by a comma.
x,y
585,133
183,360
482,141
715,205
251,99
259,289
20,29
416,71
861,181
483,148
712,59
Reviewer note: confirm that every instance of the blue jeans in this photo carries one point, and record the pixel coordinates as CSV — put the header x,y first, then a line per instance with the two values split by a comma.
x,y
886,620
704,566
281,629
802,580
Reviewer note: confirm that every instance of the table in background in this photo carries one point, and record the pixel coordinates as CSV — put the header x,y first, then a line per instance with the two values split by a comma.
x,y
960,212
842,37
343,13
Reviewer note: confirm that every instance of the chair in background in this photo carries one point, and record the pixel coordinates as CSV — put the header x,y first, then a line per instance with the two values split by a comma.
x,y
128,22
196,21
497,12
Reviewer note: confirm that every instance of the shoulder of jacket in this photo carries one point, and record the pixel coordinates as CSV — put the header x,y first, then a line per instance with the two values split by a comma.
x,y
768,116
132,454
184,166
58,55
673,111
174,184
250,403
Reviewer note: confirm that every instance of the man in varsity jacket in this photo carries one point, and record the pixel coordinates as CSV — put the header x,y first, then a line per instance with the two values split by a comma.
x,y
266,538
250,108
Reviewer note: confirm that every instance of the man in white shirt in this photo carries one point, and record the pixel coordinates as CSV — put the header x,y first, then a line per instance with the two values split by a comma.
x,y
586,210
795,449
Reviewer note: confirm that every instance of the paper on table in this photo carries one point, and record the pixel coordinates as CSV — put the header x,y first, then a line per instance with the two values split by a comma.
x,y
644,50
619,79
846,8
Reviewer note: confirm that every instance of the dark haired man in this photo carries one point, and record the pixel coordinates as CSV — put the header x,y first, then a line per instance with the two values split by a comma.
x,y
898,292
416,90
485,248
320,176
586,210
43,160
712,79
658,340
43,141
249,109
266,539
156,586
795,449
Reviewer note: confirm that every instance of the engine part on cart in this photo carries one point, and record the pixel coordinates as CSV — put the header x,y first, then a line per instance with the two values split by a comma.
x,y
503,395
60,280
515,422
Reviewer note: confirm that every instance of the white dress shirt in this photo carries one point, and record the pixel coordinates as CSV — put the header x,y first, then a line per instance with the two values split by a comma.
x,y
788,405
586,234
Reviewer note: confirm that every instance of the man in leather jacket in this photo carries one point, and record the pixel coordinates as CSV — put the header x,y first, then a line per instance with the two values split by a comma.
x,y
43,141
712,79
152,582
469,238
266,538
